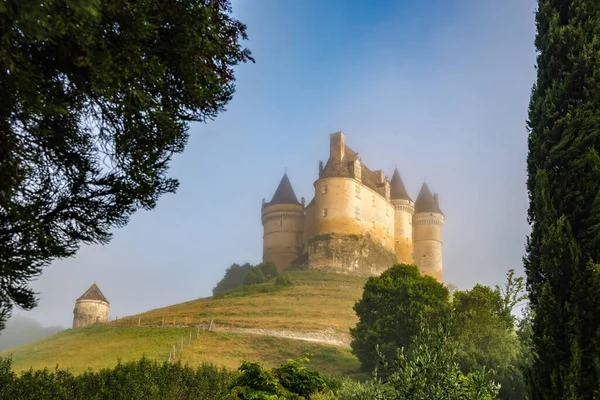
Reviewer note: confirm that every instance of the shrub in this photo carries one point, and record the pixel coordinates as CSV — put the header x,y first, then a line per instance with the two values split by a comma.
x,y
143,379
254,276
269,269
299,380
234,277
256,383
283,280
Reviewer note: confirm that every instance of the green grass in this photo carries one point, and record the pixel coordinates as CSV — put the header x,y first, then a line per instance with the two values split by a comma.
x,y
79,350
317,301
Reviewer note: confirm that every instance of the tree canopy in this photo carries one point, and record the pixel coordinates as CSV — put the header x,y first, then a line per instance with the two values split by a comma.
x,y
393,309
96,98
563,166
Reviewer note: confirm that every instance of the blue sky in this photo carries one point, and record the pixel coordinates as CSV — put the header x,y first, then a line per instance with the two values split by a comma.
x,y
439,88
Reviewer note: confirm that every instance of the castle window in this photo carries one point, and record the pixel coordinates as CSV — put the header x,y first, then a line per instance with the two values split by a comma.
x,y
281,222
357,191
324,212
357,212
373,201
324,189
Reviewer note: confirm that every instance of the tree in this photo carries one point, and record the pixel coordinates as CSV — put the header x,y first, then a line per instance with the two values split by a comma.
x,y
430,371
269,269
563,165
393,308
254,276
96,98
234,277
512,294
485,337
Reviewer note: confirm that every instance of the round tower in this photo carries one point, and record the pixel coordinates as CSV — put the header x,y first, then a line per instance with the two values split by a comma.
x,y
282,219
404,209
91,308
428,222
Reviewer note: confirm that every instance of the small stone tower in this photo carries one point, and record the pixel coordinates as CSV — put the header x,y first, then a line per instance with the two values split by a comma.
x,y
428,222
282,220
91,308
404,209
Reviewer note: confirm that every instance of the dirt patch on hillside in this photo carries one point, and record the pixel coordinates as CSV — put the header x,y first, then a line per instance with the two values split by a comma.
x,y
334,339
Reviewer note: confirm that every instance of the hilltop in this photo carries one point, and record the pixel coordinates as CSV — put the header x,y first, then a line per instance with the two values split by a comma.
x,y
259,323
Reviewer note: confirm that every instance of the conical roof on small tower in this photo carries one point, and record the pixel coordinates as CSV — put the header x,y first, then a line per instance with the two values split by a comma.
x,y
426,202
397,188
93,293
284,193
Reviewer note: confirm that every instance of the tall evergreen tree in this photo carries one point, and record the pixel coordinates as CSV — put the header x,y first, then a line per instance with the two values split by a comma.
x,y
563,250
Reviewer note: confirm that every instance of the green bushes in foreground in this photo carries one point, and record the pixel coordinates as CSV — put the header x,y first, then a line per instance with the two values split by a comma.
x,y
143,379
428,371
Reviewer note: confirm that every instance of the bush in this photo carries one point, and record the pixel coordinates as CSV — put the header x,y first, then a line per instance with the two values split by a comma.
x,y
283,280
143,379
234,277
269,269
254,277
299,380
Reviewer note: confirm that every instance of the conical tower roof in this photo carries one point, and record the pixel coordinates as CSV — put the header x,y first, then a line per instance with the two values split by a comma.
x,y
397,188
284,193
426,202
93,293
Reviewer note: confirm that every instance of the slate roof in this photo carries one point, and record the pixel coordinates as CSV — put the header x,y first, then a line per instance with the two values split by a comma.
x,y
93,293
426,202
397,188
341,169
284,193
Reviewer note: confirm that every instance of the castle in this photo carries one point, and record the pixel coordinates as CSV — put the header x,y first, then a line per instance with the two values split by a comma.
x,y
358,221
90,308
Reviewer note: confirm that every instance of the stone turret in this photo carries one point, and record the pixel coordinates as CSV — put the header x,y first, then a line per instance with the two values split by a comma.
x,y
404,209
428,222
90,308
282,220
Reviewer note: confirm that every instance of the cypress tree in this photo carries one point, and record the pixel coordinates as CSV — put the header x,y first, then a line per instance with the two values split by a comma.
x,y
563,164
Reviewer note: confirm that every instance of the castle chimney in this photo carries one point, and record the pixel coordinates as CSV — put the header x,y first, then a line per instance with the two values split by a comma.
x,y
337,145
320,168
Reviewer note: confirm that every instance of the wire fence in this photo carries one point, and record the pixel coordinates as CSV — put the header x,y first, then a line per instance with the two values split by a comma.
x,y
197,327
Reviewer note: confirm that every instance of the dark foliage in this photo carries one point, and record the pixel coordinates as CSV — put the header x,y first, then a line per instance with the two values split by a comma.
x,y
269,269
283,280
254,276
96,98
234,277
563,164
288,382
142,379
393,309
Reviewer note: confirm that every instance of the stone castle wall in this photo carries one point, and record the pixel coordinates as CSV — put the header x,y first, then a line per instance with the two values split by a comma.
x,y
403,230
349,253
345,205
282,233
89,312
427,242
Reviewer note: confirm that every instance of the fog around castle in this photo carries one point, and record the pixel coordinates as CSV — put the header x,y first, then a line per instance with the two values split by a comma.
x,y
439,89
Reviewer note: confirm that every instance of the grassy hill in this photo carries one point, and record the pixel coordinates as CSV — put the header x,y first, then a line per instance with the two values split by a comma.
x,y
318,302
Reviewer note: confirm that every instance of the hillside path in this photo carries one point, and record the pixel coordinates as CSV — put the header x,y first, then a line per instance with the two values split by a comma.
x,y
334,339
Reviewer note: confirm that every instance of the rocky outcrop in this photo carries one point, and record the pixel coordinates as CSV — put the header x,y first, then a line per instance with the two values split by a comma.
x,y
350,254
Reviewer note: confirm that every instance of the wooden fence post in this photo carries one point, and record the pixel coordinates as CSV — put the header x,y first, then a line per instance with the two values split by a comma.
x,y
139,321
163,321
